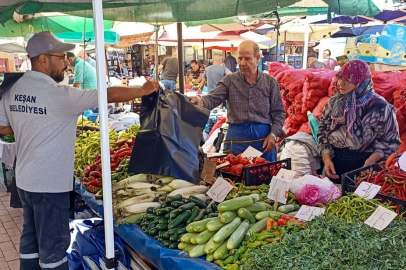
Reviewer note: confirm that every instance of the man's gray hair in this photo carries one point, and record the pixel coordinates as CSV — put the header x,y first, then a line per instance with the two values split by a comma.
x,y
256,50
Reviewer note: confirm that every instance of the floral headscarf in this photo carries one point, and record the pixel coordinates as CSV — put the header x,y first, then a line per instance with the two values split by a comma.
x,y
358,73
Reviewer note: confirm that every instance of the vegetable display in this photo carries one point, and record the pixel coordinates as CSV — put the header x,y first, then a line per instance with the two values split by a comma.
x,y
8,138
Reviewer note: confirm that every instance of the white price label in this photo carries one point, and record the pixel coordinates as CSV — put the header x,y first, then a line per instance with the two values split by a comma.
x,y
251,153
279,187
286,174
402,162
307,213
381,218
367,190
225,164
219,190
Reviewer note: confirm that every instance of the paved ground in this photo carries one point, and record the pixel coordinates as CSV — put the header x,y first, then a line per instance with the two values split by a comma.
x,y
11,225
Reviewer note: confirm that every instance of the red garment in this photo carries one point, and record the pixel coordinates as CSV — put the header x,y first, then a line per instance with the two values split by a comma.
x,y
218,124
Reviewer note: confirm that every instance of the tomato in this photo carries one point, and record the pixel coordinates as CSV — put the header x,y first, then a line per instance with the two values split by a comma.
x,y
244,161
238,170
234,161
232,170
259,161
229,157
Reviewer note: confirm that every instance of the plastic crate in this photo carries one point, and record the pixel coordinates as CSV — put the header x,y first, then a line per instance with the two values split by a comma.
x,y
349,186
8,176
93,117
258,175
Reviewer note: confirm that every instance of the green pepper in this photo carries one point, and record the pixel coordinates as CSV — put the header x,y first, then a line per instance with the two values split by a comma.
x,y
231,267
229,260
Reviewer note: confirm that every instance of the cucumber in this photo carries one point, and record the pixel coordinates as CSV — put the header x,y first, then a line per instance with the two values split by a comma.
x,y
235,204
257,207
189,227
152,225
174,238
153,231
214,207
222,252
255,197
201,225
173,245
194,197
165,204
196,201
238,235
195,212
193,239
166,235
168,215
262,215
257,226
173,231
174,198
181,231
174,213
150,216
160,211
213,215
162,227
204,237
150,210
292,214
161,219
188,206
211,246
214,225
166,243
288,208
197,251
275,215
180,219
177,204
227,230
227,217
182,245
245,214
210,257
189,247
201,214
186,237
169,209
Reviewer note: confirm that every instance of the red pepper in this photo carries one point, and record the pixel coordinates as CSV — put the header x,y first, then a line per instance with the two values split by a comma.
x,y
288,218
113,158
121,142
124,153
113,166
281,222
85,179
95,174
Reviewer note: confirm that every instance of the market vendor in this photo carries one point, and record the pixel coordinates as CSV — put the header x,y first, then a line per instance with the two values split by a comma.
x,y
197,71
43,115
357,127
255,112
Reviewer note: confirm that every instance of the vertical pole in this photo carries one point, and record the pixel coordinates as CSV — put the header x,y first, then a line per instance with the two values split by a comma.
x,y
110,259
180,59
156,54
277,44
284,48
305,47
204,53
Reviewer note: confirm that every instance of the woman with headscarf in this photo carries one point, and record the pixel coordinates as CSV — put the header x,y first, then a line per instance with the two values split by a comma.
x,y
357,127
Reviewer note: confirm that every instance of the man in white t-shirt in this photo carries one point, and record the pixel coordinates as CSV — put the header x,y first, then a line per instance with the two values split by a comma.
x,y
42,115
26,65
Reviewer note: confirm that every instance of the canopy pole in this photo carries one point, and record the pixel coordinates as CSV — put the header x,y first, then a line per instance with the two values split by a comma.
x,y
204,54
156,54
180,59
284,49
110,260
306,47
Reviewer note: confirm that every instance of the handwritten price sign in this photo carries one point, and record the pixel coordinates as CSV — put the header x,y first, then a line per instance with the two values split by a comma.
x,y
251,153
278,189
381,218
367,190
286,174
219,190
307,213
209,168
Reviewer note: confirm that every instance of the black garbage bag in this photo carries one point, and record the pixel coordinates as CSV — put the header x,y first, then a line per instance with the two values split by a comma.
x,y
169,137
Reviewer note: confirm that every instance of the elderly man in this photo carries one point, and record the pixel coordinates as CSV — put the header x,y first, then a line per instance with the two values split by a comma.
x,y
85,74
312,62
42,115
213,74
83,55
255,111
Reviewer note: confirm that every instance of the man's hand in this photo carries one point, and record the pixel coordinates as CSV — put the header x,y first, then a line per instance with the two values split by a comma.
x,y
329,168
149,87
196,100
269,144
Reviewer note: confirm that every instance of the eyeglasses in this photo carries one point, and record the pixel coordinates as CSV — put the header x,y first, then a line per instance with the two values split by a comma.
x,y
63,56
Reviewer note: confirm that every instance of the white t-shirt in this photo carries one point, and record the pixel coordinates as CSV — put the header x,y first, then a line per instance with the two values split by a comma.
x,y
43,116
26,65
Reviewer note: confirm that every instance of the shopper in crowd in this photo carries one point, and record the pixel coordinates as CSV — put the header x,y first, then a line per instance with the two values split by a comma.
x,y
330,62
358,127
26,65
255,112
85,74
213,74
197,71
42,115
71,76
170,70
122,69
312,62
230,62
85,56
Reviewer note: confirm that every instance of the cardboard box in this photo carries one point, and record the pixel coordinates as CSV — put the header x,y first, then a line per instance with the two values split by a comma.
x,y
385,68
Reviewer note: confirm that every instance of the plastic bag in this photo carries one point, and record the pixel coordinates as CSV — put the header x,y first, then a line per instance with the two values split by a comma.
x,y
310,190
130,119
169,137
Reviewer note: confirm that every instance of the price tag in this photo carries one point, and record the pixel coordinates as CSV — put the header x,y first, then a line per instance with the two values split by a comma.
x,y
307,213
209,168
225,164
367,190
381,218
402,162
215,155
251,153
278,189
219,190
286,174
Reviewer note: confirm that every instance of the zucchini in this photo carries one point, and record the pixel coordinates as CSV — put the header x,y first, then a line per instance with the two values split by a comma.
x,y
169,209
160,220
153,231
189,227
166,235
210,257
162,227
288,208
181,231
173,231
150,216
201,214
214,225
212,246
188,206
257,207
214,207
204,237
238,235
222,252
174,198
166,243
193,239
160,211
182,245
257,226
186,237
174,213
152,225
275,215
213,215
245,214
173,245
262,215
177,204
194,197
227,230
255,197
292,214
195,212
174,237
168,215
235,204
150,210
201,225
165,204
196,201
189,247
180,219
227,217
197,251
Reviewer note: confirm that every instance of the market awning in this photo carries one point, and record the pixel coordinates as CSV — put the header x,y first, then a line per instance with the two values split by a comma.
x,y
127,41
110,37
12,48
357,31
